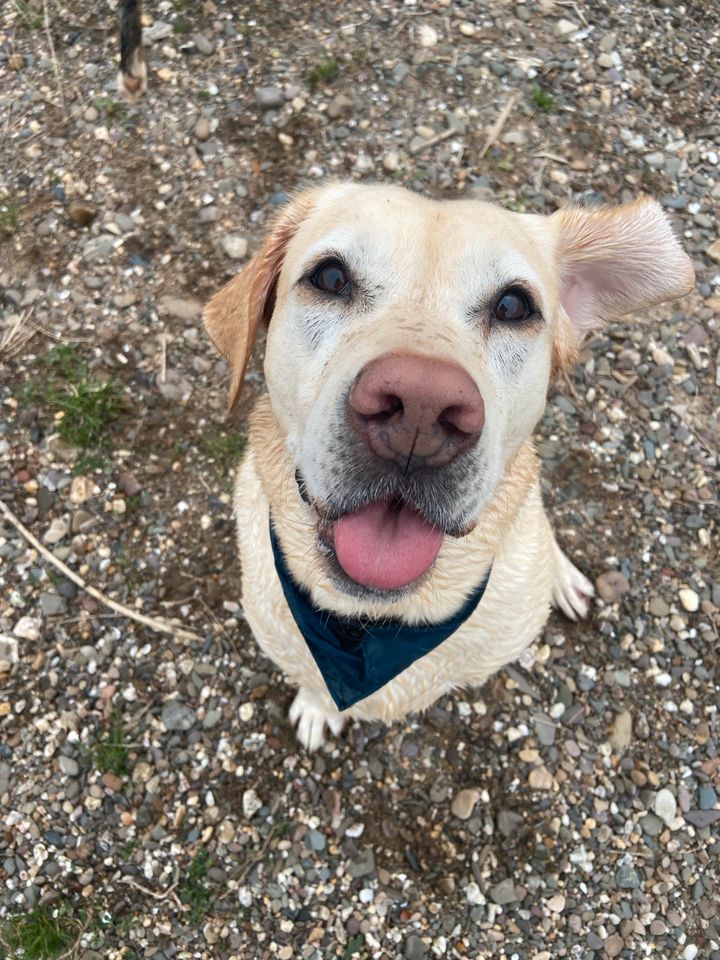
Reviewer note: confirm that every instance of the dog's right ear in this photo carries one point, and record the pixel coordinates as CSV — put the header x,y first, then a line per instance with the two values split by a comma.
x,y
234,314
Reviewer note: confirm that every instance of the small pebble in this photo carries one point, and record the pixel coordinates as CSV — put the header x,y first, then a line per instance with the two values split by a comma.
x,y
234,246
68,766
251,803
689,599
611,586
621,734
464,803
540,778
202,129
665,805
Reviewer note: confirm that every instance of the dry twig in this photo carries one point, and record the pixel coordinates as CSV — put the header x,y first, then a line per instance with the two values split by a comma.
x,y
434,140
497,127
53,57
170,892
16,336
544,155
160,626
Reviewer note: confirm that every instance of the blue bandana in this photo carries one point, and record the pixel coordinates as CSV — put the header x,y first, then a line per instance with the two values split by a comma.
x,y
357,657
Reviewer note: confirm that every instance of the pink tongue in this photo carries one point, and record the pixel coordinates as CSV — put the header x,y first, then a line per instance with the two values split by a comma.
x,y
384,547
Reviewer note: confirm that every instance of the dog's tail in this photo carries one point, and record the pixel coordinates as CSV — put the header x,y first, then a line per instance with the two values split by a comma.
x,y
133,72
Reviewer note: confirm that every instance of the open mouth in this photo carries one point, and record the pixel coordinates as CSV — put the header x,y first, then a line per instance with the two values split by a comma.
x,y
384,546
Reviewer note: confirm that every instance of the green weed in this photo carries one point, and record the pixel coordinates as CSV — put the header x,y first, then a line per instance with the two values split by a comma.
x,y
111,753
356,948
88,408
89,464
194,891
33,18
324,72
542,100
112,110
42,934
125,853
224,448
8,218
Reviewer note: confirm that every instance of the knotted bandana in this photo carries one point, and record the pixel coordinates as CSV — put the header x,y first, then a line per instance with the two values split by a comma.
x,y
357,657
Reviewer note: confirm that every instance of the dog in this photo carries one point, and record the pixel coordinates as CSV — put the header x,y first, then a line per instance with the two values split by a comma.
x,y
392,536
132,77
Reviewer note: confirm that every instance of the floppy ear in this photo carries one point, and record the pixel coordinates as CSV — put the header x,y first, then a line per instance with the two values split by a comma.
x,y
234,314
614,260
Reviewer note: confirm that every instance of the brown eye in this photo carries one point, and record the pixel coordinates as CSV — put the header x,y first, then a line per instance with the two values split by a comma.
x,y
331,277
512,306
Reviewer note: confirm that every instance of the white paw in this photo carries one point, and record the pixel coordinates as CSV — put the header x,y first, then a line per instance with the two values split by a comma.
x,y
313,717
572,590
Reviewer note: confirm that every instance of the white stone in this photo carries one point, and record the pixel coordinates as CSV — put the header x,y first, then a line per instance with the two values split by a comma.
x,y
473,894
427,35
234,246
226,832
665,805
363,164
81,489
662,357
246,711
391,161
8,649
56,531
621,733
689,599
563,28
556,904
27,628
251,803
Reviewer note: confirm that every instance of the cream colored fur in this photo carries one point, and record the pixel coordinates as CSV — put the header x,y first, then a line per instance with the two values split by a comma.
x,y
431,260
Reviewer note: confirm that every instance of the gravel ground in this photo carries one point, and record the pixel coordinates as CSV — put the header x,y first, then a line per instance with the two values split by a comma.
x,y
153,801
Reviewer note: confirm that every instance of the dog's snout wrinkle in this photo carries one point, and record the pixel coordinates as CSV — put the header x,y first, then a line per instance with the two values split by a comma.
x,y
411,408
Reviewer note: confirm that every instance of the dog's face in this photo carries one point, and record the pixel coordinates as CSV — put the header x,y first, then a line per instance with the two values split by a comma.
x,y
410,347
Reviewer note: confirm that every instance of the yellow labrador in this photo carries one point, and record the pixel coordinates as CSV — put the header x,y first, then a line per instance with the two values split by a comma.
x,y
393,540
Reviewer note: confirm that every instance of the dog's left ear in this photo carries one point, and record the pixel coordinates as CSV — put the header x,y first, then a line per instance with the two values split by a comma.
x,y
234,314
614,260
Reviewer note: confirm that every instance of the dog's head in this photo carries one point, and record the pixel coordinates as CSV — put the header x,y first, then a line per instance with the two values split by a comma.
x,y
410,347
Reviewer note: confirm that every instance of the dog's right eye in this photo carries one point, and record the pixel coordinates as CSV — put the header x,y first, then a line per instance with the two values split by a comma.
x,y
331,277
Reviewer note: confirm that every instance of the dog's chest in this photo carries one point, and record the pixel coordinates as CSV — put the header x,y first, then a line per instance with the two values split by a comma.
x,y
513,610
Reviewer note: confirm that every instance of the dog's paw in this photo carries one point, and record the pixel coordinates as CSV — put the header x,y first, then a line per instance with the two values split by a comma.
x,y
312,718
572,591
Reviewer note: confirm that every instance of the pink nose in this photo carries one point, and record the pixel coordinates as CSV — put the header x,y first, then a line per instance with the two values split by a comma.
x,y
408,406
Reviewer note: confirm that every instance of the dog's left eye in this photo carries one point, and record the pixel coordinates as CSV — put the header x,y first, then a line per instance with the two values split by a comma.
x,y
512,306
331,277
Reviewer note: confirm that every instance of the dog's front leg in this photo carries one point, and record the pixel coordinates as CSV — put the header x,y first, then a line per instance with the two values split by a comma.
x,y
313,714
572,591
